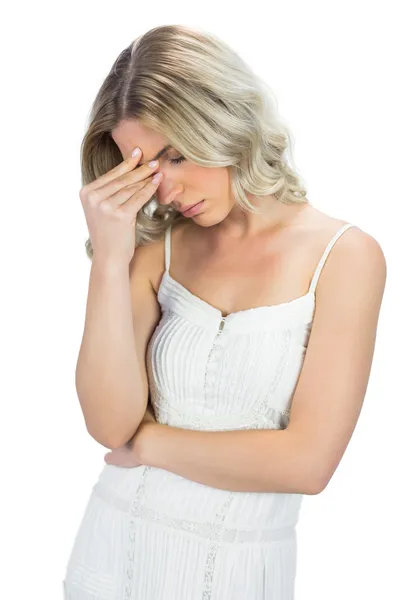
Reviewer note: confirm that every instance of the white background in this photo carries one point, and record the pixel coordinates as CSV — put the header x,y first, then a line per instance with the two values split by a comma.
x,y
333,69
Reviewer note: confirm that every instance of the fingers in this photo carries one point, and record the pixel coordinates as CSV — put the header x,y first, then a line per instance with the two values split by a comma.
x,y
119,189
125,167
132,197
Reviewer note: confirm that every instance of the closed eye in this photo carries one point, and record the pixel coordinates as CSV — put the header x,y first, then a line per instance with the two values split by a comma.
x,y
176,161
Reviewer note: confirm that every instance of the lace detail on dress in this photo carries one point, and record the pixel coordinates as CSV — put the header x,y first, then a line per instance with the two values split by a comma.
x,y
262,416
212,550
214,531
132,532
209,531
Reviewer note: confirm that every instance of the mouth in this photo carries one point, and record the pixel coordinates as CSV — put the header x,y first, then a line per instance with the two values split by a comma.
x,y
193,209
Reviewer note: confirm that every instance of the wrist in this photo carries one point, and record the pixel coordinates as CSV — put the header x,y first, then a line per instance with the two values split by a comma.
x,y
109,266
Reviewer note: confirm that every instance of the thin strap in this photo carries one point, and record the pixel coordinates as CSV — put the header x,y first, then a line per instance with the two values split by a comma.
x,y
167,247
329,247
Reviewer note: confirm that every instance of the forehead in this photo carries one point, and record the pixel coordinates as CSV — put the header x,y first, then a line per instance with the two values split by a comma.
x,y
130,133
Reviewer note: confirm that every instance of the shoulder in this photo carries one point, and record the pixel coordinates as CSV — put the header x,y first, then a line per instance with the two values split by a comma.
x,y
352,281
152,255
362,249
353,244
355,257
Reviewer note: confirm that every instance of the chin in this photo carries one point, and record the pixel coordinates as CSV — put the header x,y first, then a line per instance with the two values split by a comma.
x,y
204,219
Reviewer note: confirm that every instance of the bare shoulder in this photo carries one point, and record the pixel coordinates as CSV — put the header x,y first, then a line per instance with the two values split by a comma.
x,y
355,252
325,226
357,255
147,259
151,256
356,240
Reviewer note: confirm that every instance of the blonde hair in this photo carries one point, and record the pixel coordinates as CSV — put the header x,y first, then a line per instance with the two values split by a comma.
x,y
195,90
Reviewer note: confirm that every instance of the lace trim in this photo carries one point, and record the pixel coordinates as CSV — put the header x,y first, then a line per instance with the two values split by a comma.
x,y
209,531
166,413
132,533
261,417
213,548
215,532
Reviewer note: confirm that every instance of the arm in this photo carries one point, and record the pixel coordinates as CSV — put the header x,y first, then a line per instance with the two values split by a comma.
x,y
111,379
263,460
326,404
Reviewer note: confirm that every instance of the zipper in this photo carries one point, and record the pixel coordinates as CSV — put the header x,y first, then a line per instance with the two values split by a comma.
x,y
220,328
221,325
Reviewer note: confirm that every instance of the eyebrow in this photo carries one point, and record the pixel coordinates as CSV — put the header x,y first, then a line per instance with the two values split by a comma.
x,y
158,155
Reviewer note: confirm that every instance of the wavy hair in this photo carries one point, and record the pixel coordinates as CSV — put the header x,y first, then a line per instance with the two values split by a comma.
x,y
194,89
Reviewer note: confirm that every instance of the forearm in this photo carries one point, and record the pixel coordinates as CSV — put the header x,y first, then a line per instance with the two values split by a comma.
x,y
262,460
108,378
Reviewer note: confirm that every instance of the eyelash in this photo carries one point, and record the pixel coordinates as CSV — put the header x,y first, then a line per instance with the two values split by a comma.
x,y
176,161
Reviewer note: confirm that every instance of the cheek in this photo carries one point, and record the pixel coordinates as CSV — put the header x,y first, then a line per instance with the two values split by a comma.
x,y
218,187
212,179
209,183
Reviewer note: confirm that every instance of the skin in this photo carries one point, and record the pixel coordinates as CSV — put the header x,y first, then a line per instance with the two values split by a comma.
x,y
285,246
219,241
186,183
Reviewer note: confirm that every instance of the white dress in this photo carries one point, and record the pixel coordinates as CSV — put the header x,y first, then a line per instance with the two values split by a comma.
x,y
149,534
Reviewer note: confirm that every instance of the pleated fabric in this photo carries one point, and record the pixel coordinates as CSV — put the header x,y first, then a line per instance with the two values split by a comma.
x,y
149,534
125,550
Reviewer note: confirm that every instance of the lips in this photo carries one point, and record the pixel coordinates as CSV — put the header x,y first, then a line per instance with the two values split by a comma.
x,y
186,208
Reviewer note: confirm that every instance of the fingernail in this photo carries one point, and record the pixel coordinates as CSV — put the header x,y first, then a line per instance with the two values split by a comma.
x,y
153,163
136,152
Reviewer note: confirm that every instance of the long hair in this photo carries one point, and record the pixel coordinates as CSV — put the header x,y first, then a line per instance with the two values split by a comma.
x,y
191,87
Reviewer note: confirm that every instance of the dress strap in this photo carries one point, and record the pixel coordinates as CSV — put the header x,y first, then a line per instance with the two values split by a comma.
x,y
167,247
329,247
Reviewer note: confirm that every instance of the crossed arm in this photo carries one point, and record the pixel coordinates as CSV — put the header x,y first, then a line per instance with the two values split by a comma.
x,y
326,404
262,460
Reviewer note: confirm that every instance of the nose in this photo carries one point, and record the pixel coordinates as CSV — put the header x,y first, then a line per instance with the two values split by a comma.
x,y
166,194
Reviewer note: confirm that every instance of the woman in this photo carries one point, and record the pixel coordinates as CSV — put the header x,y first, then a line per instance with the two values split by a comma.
x,y
256,374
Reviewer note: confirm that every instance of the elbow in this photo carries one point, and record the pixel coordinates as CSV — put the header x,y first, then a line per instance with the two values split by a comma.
x,y
309,473
108,441
316,483
120,440
114,431
102,438
303,472
112,440
314,488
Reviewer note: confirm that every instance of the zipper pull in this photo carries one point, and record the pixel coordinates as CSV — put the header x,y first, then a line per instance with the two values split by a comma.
x,y
221,325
